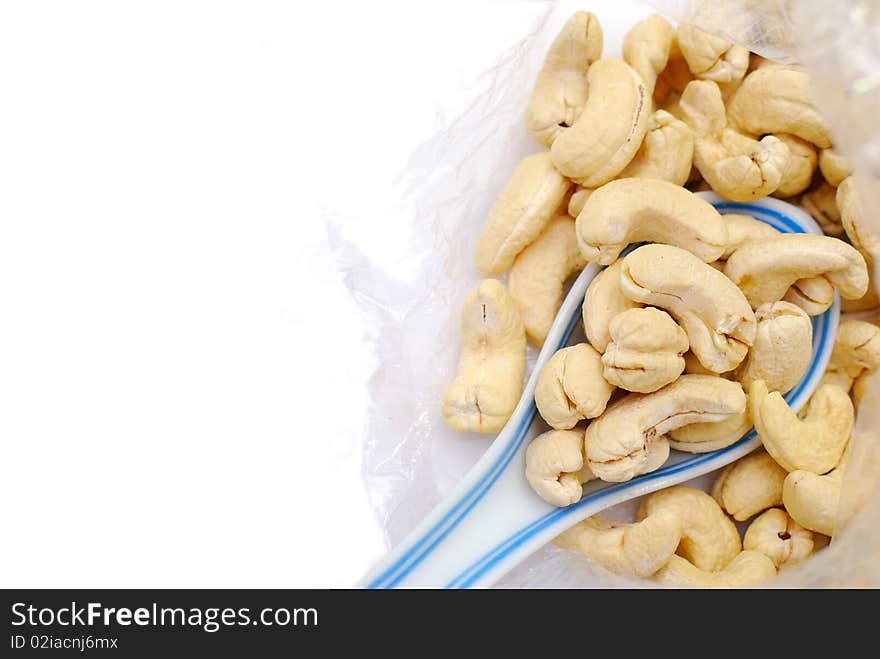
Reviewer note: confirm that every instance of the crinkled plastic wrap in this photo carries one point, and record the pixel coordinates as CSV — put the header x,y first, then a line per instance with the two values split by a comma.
x,y
411,458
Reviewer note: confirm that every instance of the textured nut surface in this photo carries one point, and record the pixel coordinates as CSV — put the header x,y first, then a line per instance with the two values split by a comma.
x,y
646,350
710,57
646,48
666,152
748,569
609,131
776,535
742,229
489,382
639,209
521,212
602,303
834,166
749,485
821,204
812,500
814,295
718,321
560,90
539,274
798,172
555,466
570,387
856,348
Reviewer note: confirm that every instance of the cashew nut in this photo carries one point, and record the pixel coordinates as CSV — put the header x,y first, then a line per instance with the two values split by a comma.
x,y
779,538
749,485
610,129
646,350
834,167
821,204
570,387
560,90
489,383
748,569
640,209
765,270
666,152
710,57
856,349
812,500
555,466
742,229
711,436
646,48
853,219
633,550
526,204
619,443
815,443
539,273
603,302
776,99
578,199
814,295
718,321
798,172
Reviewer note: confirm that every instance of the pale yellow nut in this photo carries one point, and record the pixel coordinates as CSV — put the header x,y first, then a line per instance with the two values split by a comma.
x,y
860,387
602,303
718,321
666,152
737,167
560,90
812,500
742,229
834,167
609,131
631,550
710,57
749,486
776,535
747,570
765,270
555,466
708,437
539,274
709,538
578,199
492,365
852,217
856,348
776,99
619,443
798,172
839,379
640,209
821,204
783,348
814,295
526,204
646,48
646,350
815,443
571,388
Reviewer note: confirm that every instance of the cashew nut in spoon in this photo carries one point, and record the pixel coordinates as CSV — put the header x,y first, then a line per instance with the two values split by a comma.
x,y
711,436
776,535
603,302
571,387
555,466
749,486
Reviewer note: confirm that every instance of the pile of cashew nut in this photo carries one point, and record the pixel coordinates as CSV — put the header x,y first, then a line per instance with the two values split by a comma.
x,y
692,338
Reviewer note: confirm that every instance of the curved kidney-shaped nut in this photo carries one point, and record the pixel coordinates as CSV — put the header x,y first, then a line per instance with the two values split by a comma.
x,y
852,218
812,500
602,303
742,229
798,172
856,348
813,295
709,538
640,209
782,349
707,437
526,204
571,388
821,204
765,270
749,485
718,321
710,57
834,167
493,361
555,466
646,48
619,441
779,538
561,87
815,443
578,199
736,166
610,129
632,550
776,99
539,274
748,569
666,152
646,350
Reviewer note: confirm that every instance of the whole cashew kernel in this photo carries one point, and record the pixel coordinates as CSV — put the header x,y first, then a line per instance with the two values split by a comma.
x,y
821,204
640,209
539,274
779,538
489,383
646,48
555,466
619,443
814,295
571,388
709,538
666,152
742,229
798,172
633,550
856,348
523,209
834,167
815,443
646,350
765,270
748,569
610,129
749,486
602,303
710,57
718,321
560,90
812,500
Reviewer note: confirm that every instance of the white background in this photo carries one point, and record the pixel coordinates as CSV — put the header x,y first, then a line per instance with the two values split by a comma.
x,y
182,374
